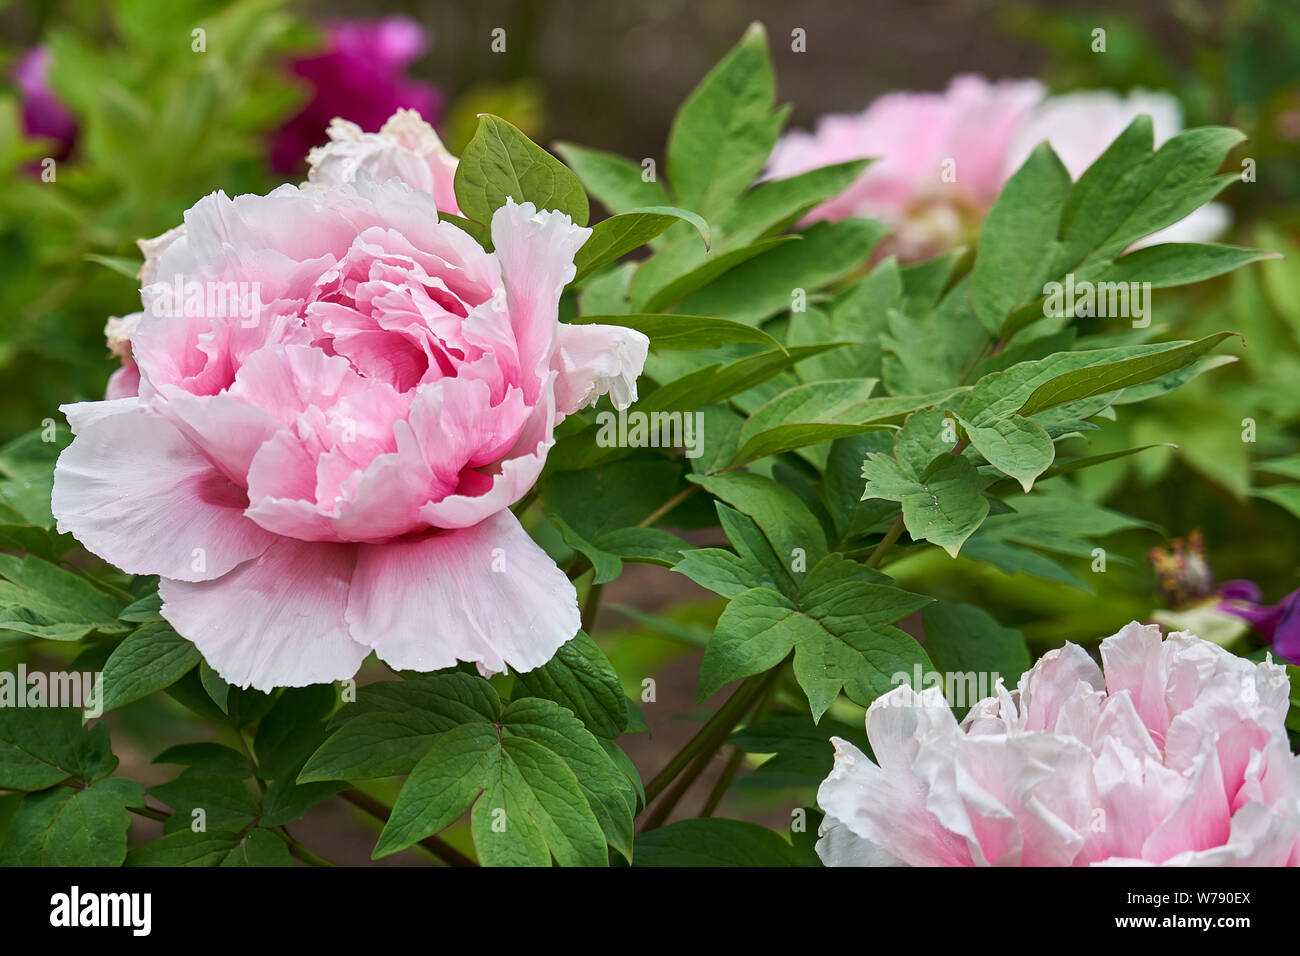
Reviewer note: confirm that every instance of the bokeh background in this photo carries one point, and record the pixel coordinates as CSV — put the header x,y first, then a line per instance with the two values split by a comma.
x,y
139,126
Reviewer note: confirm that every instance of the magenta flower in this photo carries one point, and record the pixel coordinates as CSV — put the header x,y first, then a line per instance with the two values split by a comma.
x,y
43,115
360,76
1279,624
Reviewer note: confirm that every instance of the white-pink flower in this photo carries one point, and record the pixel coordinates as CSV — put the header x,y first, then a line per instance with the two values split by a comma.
x,y
1176,754
942,158
406,147
938,158
322,454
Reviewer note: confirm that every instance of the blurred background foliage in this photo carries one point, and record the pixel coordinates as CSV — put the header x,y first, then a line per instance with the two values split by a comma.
x,y
159,126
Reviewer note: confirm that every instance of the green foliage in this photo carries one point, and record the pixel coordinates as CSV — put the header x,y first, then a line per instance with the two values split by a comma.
x,y
883,447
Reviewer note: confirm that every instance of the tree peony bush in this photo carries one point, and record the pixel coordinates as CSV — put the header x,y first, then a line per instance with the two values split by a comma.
x,y
357,517
1173,753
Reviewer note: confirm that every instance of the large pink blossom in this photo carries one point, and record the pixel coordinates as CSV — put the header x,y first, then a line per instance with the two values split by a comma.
x,y
321,464
1176,755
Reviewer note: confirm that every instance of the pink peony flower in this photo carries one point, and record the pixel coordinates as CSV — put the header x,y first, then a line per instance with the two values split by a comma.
x,y
942,158
405,146
1176,755
929,205
340,397
361,75
44,115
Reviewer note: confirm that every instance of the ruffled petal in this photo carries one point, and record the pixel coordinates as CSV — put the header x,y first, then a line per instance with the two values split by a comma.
x,y
134,491
277,621
594,360
486,594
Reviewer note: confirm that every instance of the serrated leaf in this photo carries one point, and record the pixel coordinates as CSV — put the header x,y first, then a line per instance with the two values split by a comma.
x,y
580,678
67,827
41,746
393,725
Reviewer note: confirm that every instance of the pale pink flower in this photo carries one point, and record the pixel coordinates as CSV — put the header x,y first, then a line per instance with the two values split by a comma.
x,y
1082,124
942,158
327,469
1176,755
938,158
406,147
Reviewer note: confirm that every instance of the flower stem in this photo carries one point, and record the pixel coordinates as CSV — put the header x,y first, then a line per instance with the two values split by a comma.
x,y
590,606
443,851
712,735
667,506
893,534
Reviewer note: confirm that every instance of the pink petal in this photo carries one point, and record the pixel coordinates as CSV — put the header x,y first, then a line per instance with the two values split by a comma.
x,y
135,492
594,360
536,251
486,594
277,621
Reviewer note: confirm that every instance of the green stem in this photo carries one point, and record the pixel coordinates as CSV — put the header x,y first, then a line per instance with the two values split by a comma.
x,y
590,606
720,788
713,733
300,851
893,534
667,506
443,851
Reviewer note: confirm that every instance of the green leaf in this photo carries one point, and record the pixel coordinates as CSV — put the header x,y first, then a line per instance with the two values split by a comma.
x,y
226,801
812,413
1179,263
292,729
41,746
42,599
185,847
965,639
1014,446
765,285
713,842
617,182
944,504
682,284
725,130
67,827
801,753
839,631
1099,379
148,659
580,678
753,565
785,521
393,724
672,331
519,775
777,203
501,161
615,237
1010,265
